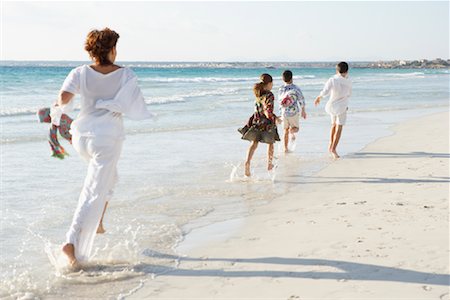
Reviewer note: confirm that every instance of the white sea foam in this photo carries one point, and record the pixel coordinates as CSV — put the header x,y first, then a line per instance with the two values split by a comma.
x,y
389,77
212,79
16,111
23,111
412,74
198,93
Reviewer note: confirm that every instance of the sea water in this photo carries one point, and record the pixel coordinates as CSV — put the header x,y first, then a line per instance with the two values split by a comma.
x,y
179,172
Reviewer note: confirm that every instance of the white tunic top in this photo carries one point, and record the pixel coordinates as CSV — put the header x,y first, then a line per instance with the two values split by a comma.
x,y
104,98
340,89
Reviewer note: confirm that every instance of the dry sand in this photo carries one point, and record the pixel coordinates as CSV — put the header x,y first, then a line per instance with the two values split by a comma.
x,y
373,225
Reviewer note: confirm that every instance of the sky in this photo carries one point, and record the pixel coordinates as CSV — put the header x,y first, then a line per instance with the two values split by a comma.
x,y
229,31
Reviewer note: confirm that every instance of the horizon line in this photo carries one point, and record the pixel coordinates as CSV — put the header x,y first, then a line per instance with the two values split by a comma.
x,y
224,61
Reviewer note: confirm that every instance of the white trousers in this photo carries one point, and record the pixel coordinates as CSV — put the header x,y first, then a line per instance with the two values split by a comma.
x,y
102,154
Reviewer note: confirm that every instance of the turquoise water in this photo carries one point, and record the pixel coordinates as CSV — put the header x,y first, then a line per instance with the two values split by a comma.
x,y
175,169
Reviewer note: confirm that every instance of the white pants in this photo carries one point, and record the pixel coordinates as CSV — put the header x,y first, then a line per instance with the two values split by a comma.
x,y
102,154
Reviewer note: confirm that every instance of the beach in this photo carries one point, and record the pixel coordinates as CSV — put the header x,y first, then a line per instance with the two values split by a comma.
x,y
182,190
372,225
154,198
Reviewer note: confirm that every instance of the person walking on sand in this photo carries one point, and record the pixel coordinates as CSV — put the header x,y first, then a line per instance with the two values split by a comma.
x,y
292,104
262,125
107,91
339,87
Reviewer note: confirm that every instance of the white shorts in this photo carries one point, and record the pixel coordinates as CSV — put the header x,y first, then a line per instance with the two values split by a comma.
x,y
290,122
339,119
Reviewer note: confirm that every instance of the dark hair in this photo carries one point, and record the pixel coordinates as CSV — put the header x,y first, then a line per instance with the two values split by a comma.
x,y
258,88
99,43
287,76
342,67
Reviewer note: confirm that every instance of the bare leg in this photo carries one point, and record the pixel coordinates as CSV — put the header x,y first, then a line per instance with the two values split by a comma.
x,y
250,152
270,157
286,140
337,137
100,228
332,134
69,251
293,131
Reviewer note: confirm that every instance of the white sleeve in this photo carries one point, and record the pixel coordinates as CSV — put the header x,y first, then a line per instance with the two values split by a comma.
x,y
326,89
128,101
72,82
72,85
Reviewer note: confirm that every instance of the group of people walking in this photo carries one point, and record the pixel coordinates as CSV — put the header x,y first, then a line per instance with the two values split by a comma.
x,y
109,91
262,125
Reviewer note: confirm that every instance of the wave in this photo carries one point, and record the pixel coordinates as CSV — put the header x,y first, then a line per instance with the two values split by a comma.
x,y
13,112
210,79
184,97
9,112
412,74
18,111
391,77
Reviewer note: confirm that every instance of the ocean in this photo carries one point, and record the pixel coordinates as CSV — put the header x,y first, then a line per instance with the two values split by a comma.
x,y
179,172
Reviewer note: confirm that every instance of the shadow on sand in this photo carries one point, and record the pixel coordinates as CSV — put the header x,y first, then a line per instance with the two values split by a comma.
x,y
347,270
342,179
397,155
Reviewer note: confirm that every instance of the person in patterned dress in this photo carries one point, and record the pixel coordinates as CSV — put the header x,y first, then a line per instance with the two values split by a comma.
x,y
262,125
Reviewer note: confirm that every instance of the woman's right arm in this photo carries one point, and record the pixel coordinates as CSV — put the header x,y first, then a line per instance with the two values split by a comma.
x,y
70,87
128,101
64,98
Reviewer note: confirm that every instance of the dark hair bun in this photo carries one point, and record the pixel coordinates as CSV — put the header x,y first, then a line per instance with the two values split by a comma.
x,y
99,43
258,88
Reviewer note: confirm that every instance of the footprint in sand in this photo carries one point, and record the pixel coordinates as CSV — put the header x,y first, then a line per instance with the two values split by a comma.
x,y
426,288
359,202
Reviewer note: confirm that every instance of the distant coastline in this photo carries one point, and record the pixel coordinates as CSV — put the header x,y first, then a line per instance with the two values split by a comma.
x,y
392,64
411,64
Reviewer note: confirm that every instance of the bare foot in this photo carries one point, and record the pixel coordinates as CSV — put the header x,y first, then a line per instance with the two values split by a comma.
x,y
334,154
269,167
247,169
100,229
69,251
286,150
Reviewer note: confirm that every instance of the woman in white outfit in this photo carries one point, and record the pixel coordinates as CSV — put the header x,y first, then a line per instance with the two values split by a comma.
x,y
107,92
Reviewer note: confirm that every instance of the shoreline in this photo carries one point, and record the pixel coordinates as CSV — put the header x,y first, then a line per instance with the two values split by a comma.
x,y
253,242
209,230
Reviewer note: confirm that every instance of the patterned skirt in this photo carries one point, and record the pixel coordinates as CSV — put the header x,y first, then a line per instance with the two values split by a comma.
x,y
260,129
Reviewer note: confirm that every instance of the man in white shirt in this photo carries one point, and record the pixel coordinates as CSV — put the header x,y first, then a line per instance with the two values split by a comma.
x,y
339,87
